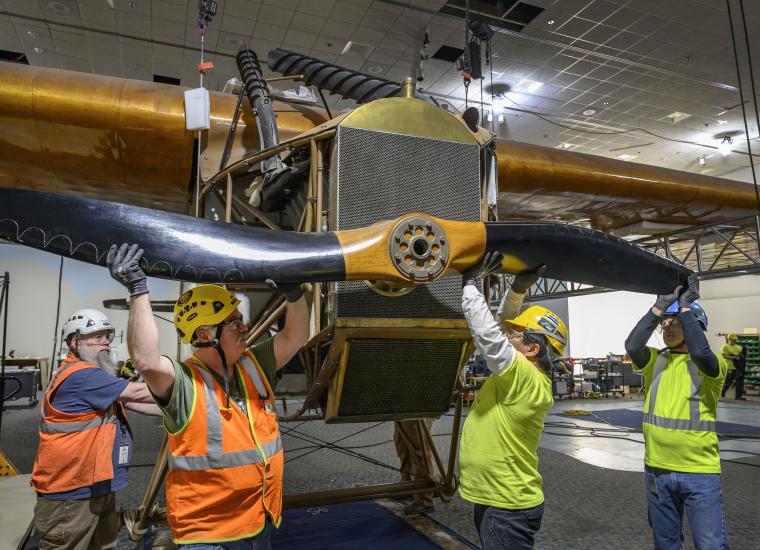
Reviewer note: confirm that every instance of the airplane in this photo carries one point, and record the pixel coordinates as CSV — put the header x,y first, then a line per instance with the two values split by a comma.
x,y
379,208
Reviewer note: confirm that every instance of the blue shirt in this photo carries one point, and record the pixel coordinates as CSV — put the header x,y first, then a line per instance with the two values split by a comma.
x,y
84,391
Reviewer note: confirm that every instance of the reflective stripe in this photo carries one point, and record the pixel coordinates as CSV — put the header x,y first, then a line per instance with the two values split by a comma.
x,y
53,384
225,460
216,458
693,423
71,427
680,424
253,374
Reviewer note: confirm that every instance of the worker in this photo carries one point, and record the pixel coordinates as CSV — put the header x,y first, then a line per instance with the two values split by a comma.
x,y
416,460
683,384
225,453
498,459
85,440
735,356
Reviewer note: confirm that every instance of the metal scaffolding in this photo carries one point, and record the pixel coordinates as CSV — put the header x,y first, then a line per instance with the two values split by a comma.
x,y
715,250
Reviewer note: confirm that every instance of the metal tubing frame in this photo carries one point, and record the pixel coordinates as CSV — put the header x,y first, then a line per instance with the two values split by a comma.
x,y
739,237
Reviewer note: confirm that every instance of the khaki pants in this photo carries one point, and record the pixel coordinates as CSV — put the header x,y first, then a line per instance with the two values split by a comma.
x,y
409,440
77,524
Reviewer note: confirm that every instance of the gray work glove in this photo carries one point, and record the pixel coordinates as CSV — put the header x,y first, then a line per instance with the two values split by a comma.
x,y
524,281
664,301
124,266
691,294
490,263
291,291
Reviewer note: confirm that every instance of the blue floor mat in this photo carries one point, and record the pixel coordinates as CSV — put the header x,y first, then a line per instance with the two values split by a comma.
x,y
631,418
350,525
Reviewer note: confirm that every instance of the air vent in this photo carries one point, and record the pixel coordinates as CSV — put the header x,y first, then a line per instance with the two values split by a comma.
x,y
495,13
448,53
13,57
166,79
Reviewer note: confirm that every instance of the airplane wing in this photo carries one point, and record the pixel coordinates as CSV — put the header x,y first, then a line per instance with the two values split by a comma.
x,y
125,140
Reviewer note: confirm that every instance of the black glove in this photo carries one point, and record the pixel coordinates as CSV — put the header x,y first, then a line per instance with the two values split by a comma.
x,y
664,301
524,281
490,262
124,266
291,291
691,294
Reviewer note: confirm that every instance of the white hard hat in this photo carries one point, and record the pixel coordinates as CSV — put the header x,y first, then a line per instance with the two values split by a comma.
x,y
87,321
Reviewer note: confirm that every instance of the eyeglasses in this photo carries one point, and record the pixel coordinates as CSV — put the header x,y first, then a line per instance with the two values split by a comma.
x,y
670,321
235,323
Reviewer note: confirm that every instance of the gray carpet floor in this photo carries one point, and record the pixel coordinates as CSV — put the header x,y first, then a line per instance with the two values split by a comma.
x,y
586,506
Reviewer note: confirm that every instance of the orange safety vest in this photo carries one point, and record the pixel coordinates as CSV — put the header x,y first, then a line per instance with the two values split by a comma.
x,y
75,448
225,465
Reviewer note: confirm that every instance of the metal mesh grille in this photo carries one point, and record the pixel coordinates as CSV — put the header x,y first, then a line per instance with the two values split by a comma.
x,y
399,377
381,176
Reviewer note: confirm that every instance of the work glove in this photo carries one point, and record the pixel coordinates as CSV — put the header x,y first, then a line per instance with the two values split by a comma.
x,y
490,263
691,294
524,281
124,266
664,301
291,291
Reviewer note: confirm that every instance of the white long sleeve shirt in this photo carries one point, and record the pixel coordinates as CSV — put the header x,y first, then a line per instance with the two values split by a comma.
x,y
486,331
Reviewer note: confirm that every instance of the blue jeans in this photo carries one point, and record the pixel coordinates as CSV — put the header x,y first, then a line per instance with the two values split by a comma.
x,y
512,529
262,541
669,492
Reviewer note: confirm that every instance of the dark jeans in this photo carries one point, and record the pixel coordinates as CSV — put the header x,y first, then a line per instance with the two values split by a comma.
x,y
667,495
263,541
735,376
512,529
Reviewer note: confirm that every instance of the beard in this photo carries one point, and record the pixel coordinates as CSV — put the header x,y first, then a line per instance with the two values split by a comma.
x,y
100,358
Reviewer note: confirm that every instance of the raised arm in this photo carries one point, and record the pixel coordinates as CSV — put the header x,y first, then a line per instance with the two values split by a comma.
x,y
693,335
295,333
636,343
142,332
486,331
511,302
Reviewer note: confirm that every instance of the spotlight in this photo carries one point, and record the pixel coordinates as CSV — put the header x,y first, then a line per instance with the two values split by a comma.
x,y
725,146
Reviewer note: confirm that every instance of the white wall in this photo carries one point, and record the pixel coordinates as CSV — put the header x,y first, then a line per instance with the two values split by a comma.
x,y
600,323
34,294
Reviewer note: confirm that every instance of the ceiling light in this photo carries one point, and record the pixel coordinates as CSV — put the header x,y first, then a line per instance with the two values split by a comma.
x,y
489,118
33,35
626,156
375,69
702,161
550,22
677,116
589,112
501,119
233,41
605,103
724,148
720,122
37,49
528,86
565,145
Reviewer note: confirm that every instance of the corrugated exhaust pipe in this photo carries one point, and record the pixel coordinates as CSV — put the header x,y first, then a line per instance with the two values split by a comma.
x,y
258,95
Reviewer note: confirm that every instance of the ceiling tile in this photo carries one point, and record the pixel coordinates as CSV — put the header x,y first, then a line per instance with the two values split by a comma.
x,y
349,13
165,10
272,33
248,9
272,15
323,7
237,25
307,22
303,40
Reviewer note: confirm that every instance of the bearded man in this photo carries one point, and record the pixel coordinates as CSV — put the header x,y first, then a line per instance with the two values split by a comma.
x,y
85,440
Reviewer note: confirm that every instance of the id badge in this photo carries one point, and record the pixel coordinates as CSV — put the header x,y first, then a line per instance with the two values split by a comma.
x,y
123,454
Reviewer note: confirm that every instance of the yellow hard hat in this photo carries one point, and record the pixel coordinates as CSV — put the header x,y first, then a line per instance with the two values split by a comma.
x,y
200,306
539,320
732,336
